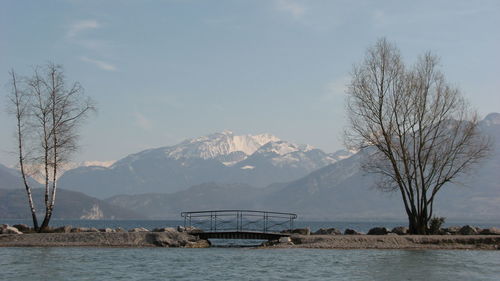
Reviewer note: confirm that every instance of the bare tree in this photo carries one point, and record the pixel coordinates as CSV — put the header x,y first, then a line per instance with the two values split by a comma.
x,y
53,115
420,132
20,103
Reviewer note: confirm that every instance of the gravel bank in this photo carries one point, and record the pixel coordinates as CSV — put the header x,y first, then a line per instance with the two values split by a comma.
x,y
462,242
100,239
179,239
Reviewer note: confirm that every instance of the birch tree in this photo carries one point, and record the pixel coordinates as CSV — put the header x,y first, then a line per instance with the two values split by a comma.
x,y
51,114
421,132
20,109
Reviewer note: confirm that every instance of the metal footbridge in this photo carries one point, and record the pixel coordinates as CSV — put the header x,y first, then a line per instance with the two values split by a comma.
x,y
239,224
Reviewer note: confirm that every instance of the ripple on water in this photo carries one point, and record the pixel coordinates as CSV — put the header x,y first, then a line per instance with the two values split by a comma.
x,y
245,264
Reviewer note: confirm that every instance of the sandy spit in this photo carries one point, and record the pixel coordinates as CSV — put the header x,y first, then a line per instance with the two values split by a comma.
x,y
449,242
99,239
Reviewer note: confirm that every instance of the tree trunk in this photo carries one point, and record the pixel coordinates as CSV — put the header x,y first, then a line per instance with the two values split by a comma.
x,y
46,220
417,224
19,116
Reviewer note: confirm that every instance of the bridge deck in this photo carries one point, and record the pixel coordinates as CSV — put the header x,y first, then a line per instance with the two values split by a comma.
x,y
241,235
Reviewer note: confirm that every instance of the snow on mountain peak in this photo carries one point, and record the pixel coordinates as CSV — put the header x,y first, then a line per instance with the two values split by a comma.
x,y
218,145
279,147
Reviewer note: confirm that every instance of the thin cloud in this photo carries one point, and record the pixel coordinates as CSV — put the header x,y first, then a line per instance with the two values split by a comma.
x,y
379,17
171,101
82,25
99,63
336,90
295,9
142,121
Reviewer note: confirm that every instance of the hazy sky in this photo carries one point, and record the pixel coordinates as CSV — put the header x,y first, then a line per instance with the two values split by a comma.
x,y
163,71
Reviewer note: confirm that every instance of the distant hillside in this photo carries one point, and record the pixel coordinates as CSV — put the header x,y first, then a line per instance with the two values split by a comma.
x,y
69,205
11,178
200,197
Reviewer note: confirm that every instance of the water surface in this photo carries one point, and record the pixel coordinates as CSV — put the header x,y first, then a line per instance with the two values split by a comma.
x,y
245,264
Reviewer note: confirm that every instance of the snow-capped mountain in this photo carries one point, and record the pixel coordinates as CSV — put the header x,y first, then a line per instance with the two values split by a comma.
x,y
219,146
223,157
226,147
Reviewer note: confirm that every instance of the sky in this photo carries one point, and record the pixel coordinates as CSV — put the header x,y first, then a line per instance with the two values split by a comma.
x,y
166,70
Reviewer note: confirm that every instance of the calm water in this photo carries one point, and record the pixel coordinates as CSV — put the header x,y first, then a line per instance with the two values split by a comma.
x,y
245,264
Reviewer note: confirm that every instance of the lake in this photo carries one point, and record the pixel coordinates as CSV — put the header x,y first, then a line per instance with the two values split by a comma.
x,y
223,263
245,264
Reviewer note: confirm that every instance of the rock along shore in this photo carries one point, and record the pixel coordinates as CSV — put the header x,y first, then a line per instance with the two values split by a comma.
x,y
103,239
377,238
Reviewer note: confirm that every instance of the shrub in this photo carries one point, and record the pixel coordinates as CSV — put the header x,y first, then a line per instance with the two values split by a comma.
x,y
435,224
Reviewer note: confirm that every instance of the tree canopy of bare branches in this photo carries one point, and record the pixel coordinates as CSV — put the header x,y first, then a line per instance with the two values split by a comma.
x,y
48,115
420,131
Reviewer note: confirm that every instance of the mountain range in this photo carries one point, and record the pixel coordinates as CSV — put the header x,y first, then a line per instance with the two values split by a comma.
x,y
256,160
339,191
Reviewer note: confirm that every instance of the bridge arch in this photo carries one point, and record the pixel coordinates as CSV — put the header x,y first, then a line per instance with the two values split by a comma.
x,y
240,224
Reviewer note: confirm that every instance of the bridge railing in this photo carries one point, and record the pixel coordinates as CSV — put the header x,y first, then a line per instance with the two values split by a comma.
x,y
239,221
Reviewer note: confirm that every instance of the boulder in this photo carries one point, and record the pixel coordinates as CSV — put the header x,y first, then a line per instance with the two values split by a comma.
x,y
63,229
48,229
138,229
467,230
490,231
191,230
107,230
453,230
119,229
80,229
400,230
176,239
301,231
378,231
22,227
165,229
349,231
285,240
93,229
2,227
327,231
9,230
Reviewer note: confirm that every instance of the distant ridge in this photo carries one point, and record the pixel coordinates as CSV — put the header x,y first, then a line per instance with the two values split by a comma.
x,y
69,205
224,157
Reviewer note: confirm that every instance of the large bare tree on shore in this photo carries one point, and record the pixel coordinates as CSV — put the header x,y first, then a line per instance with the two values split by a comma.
x,y
48,115
420,132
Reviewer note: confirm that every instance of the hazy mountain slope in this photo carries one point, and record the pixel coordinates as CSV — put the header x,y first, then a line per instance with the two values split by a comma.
x,y
208,196
69,205
11,178
222,157
313,197
342,190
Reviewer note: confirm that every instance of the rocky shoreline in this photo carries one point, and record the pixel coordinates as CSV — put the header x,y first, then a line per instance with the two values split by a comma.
x,y
464,238
67,236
